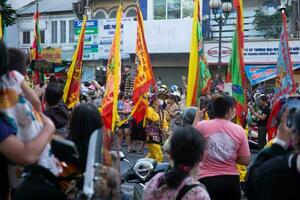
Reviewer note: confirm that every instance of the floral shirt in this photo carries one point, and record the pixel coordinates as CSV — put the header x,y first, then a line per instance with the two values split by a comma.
x,y
151,192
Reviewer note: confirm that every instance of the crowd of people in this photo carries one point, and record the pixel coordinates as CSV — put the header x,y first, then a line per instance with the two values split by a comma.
x,y
205,147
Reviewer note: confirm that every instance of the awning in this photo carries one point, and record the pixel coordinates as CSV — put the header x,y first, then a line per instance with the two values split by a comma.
x,y
260,73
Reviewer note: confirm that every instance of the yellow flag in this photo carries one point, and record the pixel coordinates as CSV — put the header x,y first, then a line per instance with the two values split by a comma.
x,y
194,59
73,84
109,109
1,32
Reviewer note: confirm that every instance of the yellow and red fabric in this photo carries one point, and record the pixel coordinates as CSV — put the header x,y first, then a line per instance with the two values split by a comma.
x,y
110,101
73,84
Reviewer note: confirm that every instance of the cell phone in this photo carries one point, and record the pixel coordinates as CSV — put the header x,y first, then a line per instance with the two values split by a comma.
x,y
293,102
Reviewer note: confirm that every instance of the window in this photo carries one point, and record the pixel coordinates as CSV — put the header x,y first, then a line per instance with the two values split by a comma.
x,y
130,12
71,31
26,37
160,9
173,9
187,8
63,32
54,31
113,13
100,14
42,33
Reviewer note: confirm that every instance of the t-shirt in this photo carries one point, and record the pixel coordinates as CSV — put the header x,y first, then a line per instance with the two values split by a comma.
x,y
153,192
6,130
263,123
27,122
226,142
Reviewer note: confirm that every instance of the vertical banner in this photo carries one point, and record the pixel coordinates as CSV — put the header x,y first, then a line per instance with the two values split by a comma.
x,y
237,65
284,84
36,46
1,31
72,87
144,76
109,104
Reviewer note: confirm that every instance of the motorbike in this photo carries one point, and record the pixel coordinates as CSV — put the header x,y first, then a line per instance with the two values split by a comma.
x,y
141,172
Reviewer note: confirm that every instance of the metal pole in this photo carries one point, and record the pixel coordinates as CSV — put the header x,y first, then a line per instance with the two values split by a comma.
x,y
220,45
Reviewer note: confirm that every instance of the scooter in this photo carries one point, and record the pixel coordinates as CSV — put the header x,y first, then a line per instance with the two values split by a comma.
x,y
141,172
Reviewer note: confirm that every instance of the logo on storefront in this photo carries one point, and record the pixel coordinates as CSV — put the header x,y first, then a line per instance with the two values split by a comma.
x,y
214,52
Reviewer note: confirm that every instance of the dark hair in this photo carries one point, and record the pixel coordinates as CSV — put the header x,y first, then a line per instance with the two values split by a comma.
x,y
186,148
53,93
264,98
84,121
17,60
222,104
3,63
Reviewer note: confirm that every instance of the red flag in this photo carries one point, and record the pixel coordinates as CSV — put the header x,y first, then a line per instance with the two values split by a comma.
x,y
36,46
72,87
144,76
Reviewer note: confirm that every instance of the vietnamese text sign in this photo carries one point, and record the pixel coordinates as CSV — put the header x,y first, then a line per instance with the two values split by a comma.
x,y
258,74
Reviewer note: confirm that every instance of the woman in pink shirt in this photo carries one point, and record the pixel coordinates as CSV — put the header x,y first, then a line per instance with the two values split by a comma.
x,y
227,146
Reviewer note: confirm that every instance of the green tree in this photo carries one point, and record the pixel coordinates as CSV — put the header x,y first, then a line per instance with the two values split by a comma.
x,y
8,14
270,24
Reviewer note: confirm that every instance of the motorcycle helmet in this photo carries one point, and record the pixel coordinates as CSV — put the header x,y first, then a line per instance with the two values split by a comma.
x,y
173,88
188,115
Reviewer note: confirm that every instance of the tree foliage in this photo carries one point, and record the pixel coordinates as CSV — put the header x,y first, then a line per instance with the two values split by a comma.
x,y
270,24
8,13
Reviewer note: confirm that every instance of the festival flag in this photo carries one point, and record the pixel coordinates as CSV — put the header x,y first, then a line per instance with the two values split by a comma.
x,y
236,65
72,87
199,78
144,76
36,46
109,105
284,81
1,31
284,84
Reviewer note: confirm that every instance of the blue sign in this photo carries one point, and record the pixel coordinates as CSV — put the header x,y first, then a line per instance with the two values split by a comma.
x,y
257,74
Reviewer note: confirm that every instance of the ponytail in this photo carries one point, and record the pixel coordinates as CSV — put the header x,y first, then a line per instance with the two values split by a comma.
x,y
175,176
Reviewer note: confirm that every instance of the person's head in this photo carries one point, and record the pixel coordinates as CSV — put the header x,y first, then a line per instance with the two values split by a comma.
x,y
154,102
297,84
121,96
85,120
17,60
186,150
263,100
188,116
127,68
224,107
53,94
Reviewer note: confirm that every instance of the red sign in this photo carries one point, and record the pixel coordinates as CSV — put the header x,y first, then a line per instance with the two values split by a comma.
x,y
214,52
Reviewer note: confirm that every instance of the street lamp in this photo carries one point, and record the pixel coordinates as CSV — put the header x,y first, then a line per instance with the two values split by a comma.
x,y
225,6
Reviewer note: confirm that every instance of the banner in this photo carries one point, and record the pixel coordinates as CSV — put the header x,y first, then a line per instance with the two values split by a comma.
x,y
72,87
284,84
109,104
51,55
193,89
144,76
258,74
237,64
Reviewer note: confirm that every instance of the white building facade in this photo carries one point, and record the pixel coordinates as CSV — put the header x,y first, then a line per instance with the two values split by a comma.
x,y
168,26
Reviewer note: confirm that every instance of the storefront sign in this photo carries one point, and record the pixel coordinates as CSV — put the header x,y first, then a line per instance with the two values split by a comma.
x,y
106,33
91,49
258,74
42,66
51,55
214,52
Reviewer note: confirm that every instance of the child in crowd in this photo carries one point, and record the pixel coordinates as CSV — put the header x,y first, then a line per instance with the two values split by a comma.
x,y
21,108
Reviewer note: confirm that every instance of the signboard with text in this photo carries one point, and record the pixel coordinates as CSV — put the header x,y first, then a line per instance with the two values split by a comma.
x,y
106,34
91,49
